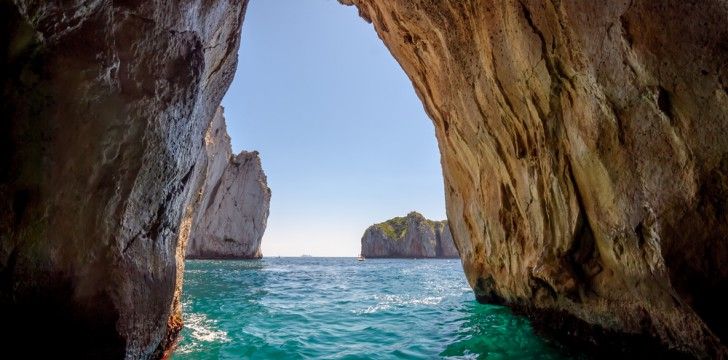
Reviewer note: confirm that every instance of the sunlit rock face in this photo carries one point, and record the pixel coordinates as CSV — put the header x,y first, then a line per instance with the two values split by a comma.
x,y
412,236
104,108
232,213
585,153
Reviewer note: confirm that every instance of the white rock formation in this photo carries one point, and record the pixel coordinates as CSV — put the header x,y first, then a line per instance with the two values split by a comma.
x,y
232,212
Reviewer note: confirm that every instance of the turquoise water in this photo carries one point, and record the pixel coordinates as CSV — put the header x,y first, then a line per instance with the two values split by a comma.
x,y
338,308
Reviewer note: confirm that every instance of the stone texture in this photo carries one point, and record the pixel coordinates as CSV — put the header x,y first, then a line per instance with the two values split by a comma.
x,y
104,106
231,216
412,236
585,153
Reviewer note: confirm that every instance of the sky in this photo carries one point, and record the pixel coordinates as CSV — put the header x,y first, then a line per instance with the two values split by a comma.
x,y
343,138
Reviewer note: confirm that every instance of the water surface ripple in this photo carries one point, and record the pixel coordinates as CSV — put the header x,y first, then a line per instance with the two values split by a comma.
x,y
338,308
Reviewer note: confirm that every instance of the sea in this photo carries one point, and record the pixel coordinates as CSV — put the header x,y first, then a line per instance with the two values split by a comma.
x,y
341,308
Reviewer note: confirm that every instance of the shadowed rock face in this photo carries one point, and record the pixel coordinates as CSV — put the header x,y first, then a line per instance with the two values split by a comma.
x,y
103,109
231,215
412,236
585,153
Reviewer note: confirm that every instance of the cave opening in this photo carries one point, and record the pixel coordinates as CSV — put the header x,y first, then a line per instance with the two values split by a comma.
x,y
342,136
345,143
104,106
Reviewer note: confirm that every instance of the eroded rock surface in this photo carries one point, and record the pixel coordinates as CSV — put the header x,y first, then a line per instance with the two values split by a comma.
x,y
231,216
585,153
104,106
412,236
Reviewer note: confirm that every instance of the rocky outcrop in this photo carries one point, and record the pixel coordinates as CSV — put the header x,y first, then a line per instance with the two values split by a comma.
x,y
585,154
232,212
412,236
104,106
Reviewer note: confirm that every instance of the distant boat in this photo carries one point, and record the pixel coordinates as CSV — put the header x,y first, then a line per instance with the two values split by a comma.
x,y
360,258
304,255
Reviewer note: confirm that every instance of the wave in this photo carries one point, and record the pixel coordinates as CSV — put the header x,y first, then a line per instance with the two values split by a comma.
x,y
201,330
386,302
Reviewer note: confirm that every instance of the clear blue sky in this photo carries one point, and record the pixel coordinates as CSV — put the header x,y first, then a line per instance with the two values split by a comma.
x,y
343,137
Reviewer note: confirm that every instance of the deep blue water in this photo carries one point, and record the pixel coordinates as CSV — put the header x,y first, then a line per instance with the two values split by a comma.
x,y
338,308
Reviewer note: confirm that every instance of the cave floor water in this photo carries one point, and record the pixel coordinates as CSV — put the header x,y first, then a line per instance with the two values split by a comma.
x,y
339,308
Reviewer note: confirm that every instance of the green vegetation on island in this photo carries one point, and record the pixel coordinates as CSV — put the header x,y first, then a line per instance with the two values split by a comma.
x,y
396,228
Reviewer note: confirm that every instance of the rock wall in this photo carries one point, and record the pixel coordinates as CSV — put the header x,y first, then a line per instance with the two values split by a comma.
x,y
104,105
412,236
231,216
585,154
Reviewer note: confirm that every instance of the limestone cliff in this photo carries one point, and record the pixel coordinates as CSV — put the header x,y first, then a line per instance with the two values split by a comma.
x,y
412,236
232,213
104,106
585,153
